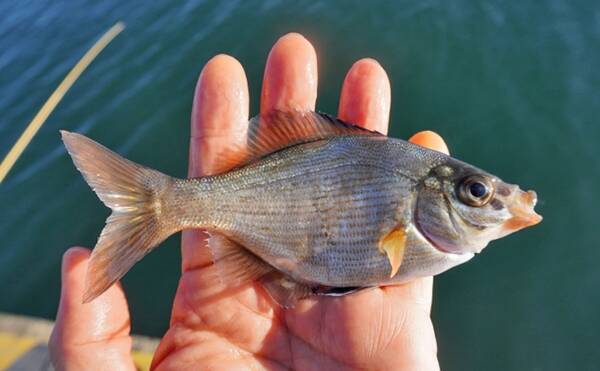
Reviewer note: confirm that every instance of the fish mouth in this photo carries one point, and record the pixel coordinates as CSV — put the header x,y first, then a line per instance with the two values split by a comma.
x,y
523,213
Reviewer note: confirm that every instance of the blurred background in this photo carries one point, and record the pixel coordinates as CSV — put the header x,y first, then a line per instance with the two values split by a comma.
x,y
513,87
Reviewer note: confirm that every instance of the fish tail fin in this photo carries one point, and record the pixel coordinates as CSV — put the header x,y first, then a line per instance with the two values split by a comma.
x,y
134,194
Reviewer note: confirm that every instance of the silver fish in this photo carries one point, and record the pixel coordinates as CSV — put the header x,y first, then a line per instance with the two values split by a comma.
x,y
313,205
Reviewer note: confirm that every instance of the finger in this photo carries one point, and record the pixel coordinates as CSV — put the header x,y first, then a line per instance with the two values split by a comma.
x,y
95,333
219,112
219,119
366,96
430,140
290,80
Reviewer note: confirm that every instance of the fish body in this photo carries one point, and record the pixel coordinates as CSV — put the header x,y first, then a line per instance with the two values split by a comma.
x,y
316,211
325,208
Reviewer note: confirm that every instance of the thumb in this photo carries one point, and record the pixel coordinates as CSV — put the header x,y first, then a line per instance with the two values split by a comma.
x,y
95,333
431,140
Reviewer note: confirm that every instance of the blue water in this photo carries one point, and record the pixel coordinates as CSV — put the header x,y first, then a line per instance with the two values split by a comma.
x,y
512,86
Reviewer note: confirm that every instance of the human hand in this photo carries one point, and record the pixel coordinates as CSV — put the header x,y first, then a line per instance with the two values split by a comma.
x,y
216,326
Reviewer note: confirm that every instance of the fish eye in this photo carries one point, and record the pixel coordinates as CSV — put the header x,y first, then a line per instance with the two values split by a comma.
x,y
475,190
478,190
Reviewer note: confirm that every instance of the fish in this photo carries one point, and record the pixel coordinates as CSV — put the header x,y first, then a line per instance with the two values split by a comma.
x,y
307,205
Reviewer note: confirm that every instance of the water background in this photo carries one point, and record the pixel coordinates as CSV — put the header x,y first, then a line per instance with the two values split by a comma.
x,y
512,86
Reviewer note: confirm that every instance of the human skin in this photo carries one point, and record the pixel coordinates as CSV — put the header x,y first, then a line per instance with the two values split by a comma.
x,y
214,326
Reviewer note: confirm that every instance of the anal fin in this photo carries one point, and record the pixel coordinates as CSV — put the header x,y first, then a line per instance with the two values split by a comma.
x,y
235,263
283,290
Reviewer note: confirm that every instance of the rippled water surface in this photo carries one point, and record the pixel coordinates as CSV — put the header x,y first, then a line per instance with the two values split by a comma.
x,y
512,86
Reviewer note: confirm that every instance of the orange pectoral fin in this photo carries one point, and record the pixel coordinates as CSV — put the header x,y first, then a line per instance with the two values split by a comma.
x,y
393,245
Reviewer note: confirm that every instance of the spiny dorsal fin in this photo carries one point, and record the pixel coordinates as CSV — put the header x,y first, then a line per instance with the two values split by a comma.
x,y
277,130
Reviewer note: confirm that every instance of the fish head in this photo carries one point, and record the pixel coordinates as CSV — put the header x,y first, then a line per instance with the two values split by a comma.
x,y
460,208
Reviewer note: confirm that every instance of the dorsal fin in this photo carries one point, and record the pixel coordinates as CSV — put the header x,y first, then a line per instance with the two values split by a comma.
x,y
276,130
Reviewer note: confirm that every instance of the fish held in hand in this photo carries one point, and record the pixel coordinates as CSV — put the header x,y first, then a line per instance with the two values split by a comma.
x,y
308,205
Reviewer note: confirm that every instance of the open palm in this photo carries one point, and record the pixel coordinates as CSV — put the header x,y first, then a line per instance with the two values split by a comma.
x,y
216,326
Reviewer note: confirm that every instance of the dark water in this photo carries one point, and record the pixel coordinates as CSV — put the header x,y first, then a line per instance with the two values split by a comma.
x,y
513,87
